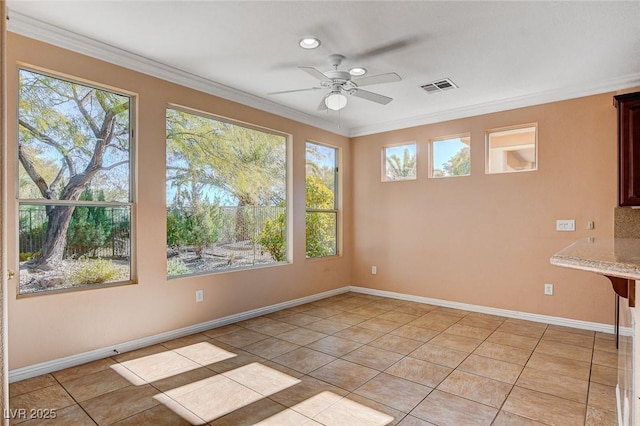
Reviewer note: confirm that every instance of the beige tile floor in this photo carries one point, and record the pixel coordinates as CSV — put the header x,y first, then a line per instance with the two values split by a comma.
x,y
351,359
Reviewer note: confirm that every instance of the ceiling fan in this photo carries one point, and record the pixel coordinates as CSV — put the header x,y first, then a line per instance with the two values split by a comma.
x,y
341,84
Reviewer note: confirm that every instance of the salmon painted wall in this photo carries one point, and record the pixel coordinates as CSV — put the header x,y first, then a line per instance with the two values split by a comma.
x,y
487,239
52,326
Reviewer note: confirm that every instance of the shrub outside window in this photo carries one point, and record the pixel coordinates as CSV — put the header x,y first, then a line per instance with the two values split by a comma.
x,y
512,149
450,156
74,184
226,194
399,162
321,200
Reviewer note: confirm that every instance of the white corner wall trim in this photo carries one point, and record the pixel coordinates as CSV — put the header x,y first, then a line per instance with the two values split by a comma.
x,y
82,358
547,319
498,105
38,30
33,28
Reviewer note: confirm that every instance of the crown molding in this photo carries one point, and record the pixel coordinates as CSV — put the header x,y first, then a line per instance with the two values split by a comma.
x,y
42,31
33,28
563,94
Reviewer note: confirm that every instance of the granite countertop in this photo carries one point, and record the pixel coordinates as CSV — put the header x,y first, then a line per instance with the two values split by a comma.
x,y
616,257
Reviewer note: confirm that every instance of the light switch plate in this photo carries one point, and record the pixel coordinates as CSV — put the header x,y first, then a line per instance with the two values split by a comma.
x,y
565,225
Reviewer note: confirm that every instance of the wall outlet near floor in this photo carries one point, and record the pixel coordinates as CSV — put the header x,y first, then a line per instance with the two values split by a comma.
x,y
374,270
565,225
548,289
199,295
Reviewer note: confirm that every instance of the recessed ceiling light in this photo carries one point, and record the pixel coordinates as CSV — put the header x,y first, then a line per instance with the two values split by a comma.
x,y
357,71
309,42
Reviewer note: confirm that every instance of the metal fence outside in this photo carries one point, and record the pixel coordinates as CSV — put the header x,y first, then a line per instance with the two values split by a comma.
x,y
240,229
112,240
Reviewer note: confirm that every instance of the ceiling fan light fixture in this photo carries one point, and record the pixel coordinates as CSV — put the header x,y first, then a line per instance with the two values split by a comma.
x,y
309,42
335,101
357,71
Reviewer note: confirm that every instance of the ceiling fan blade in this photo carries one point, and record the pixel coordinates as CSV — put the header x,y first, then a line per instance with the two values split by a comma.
x,y
377,79
387,48
293,91
370,96
322,106
315,73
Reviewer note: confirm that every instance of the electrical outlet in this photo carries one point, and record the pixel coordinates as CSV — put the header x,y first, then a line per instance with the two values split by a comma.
x,y
374,270
199,295
565,225
548,289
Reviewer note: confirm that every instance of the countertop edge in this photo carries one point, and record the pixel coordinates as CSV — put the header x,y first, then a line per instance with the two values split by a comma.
x,y
603,268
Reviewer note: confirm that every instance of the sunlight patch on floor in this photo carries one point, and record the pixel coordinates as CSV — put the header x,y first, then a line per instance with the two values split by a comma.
x,y
216,396
151,368
327,408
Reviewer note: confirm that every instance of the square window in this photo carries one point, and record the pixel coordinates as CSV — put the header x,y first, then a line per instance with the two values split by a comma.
x,y
450,156
512,149
399,162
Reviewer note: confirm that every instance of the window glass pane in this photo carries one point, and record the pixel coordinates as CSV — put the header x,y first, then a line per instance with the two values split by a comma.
x,y
71,137
321,234
226,195
512,150
96,248
450,157
321,200
74,158
399,162
321,176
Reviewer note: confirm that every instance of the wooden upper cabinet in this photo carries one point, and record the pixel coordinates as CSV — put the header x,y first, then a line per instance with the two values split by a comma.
x,y
628,149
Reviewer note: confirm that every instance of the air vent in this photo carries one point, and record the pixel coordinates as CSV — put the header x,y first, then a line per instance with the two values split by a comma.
x,y
439,86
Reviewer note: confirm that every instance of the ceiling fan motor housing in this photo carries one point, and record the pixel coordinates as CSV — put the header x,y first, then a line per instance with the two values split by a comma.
x,y
338,76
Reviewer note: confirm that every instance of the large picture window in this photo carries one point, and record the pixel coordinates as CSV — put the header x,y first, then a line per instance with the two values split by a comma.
x,y
74,184
321,200
226,195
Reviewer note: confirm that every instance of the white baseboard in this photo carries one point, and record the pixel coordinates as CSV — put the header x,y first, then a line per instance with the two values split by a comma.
x,y
547,319
82,358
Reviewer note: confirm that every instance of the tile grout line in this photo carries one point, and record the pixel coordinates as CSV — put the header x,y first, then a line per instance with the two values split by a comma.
x,y
518,378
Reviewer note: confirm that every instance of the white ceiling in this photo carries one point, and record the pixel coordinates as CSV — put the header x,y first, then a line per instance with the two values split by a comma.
x,y
502,55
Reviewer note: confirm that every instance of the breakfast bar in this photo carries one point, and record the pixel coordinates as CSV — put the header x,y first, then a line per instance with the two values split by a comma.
x,y
618,259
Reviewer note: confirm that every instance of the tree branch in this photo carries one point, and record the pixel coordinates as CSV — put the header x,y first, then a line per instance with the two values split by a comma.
x,y
32,172
80,104
57,179
114,165
49,141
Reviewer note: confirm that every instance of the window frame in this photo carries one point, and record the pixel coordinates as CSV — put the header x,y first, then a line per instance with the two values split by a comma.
x,y
443,139
384,161
336,199
488,134
131,204
288,182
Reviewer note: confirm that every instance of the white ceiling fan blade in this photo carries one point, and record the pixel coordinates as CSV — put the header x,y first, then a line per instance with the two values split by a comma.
x,y
323,105
387,48
377,79
315,73
370,96
293,91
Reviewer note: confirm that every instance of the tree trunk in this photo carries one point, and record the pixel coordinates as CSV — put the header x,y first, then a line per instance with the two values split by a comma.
x,y
243,231
55,238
